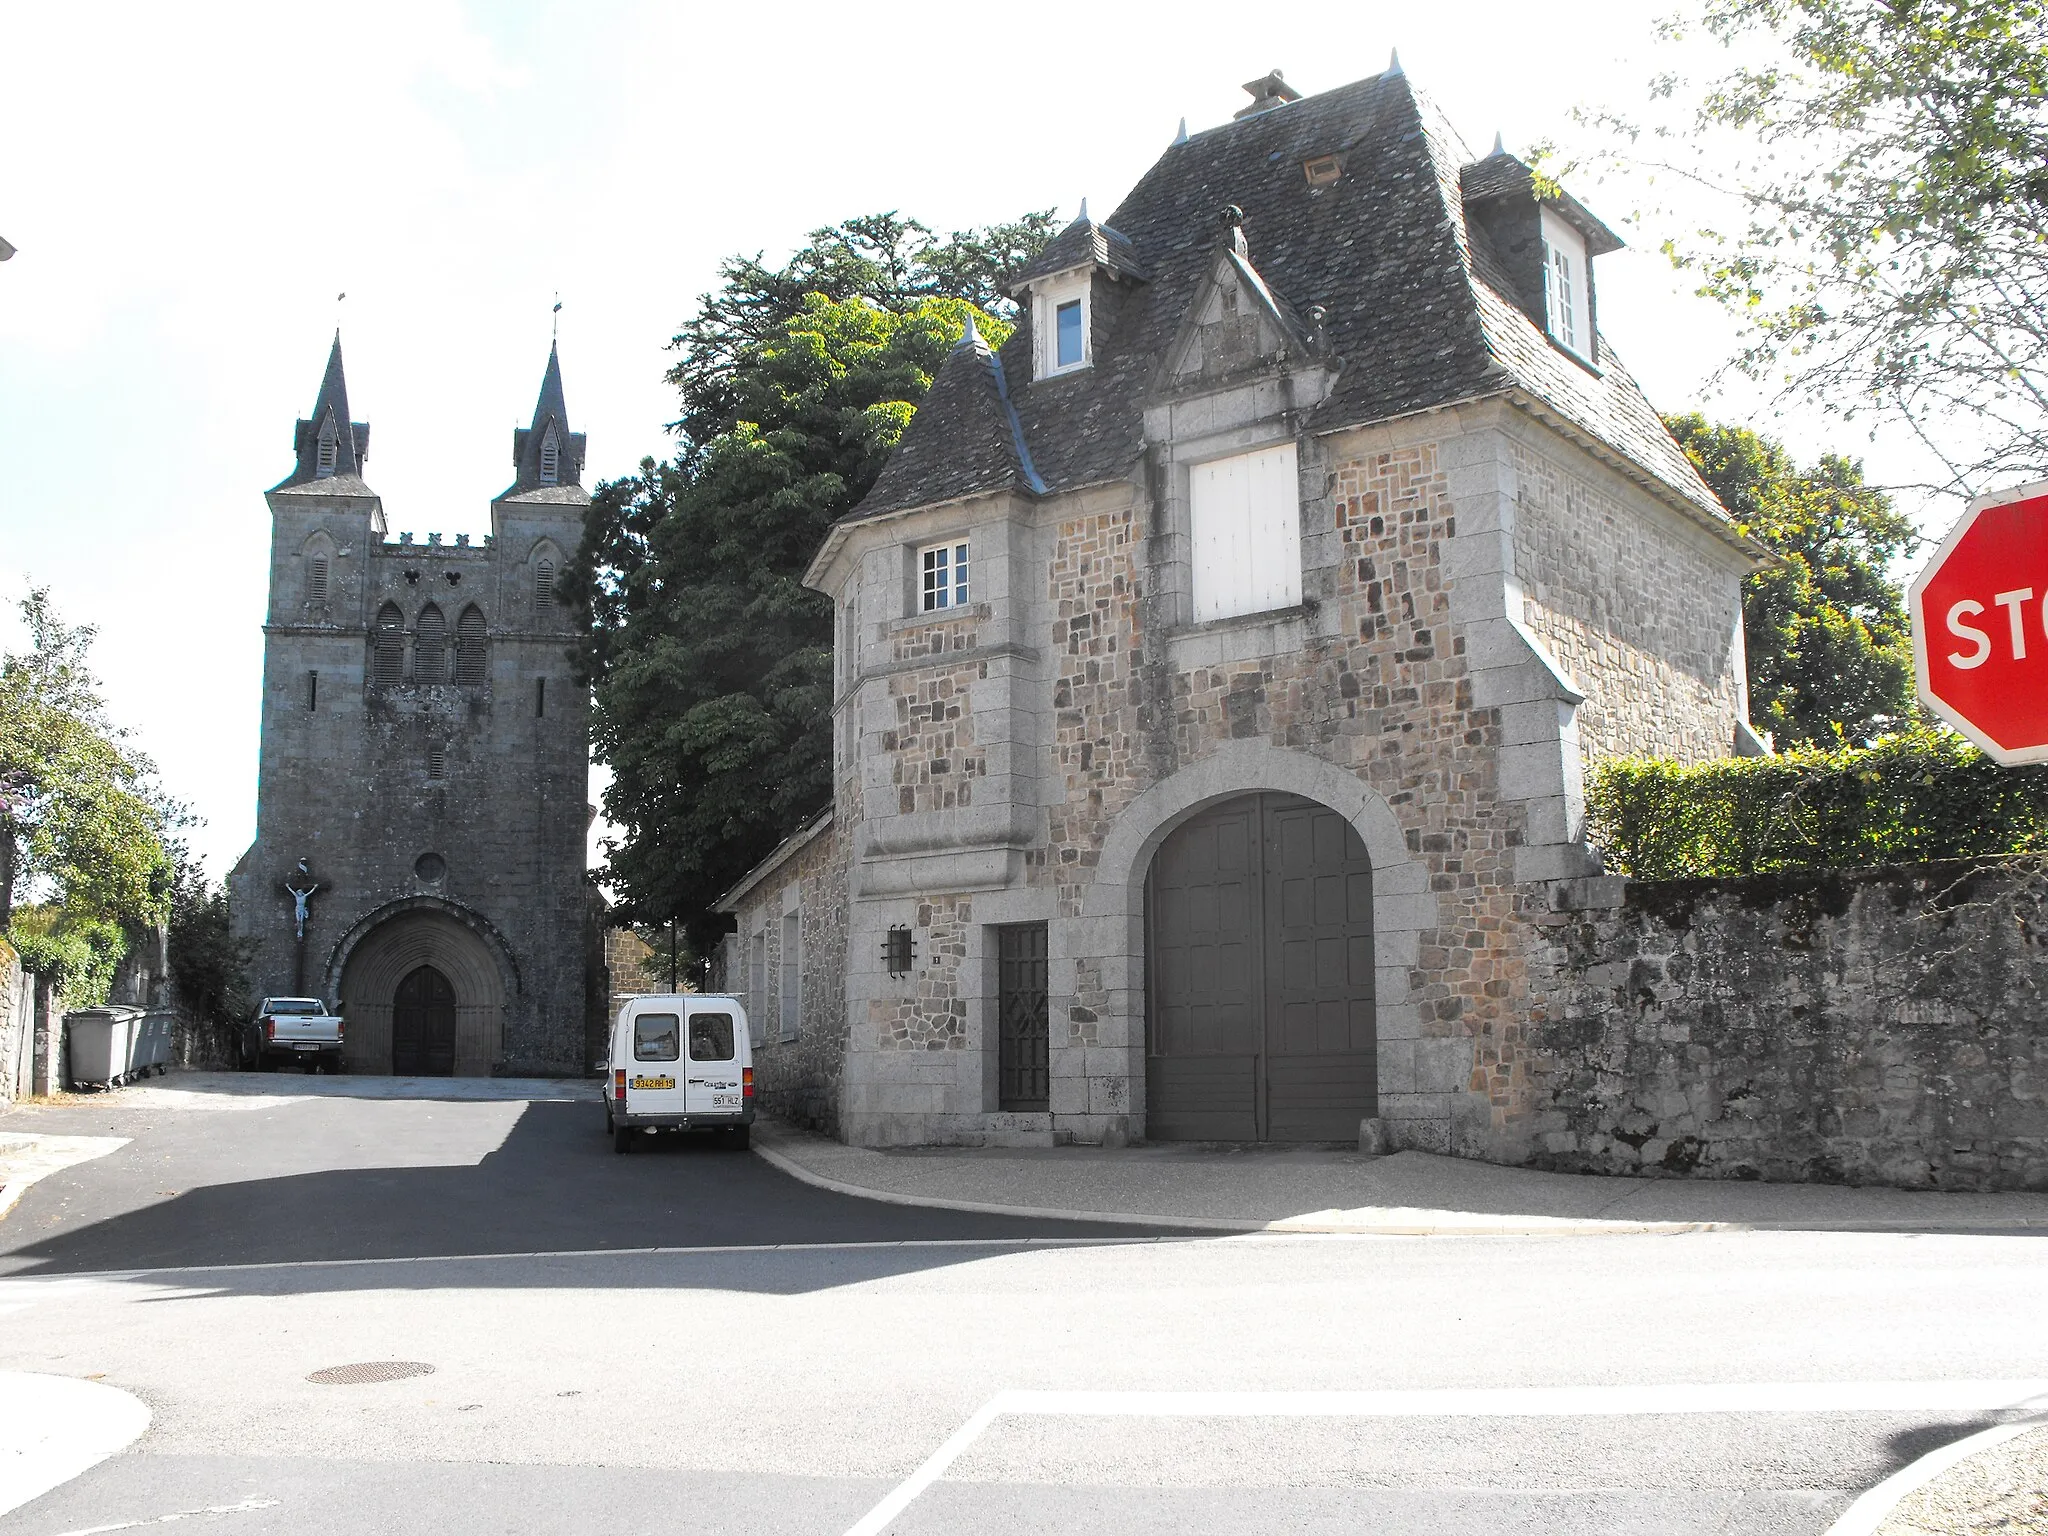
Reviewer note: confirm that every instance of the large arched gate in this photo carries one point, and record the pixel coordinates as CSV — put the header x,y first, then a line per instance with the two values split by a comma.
x,y
1259,953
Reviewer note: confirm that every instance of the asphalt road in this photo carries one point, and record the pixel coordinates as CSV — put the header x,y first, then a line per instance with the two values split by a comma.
x,y
792,1357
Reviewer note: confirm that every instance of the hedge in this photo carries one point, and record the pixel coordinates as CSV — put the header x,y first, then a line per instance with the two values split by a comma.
x,y
1905,800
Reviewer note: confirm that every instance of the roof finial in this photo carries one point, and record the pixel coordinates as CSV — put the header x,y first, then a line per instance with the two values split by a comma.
x,y
1394,63
1182,136
1082,216
1498,147
555,328
971,337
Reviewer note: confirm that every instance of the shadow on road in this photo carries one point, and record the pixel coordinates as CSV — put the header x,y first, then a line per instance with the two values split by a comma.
x,y
553,1185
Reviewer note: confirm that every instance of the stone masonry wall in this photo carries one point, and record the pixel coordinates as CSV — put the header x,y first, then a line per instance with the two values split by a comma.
x,y
797,1080
1885,1026
1637,609
17,1025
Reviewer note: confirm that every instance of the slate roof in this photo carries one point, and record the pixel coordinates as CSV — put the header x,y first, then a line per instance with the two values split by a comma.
x,y
1417,307
351,438
970,441
1083,243
1501,175
548,409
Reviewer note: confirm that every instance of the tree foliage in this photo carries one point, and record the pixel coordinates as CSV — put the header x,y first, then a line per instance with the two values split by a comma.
x,y
1829,643
80,817
1890,252
209,964
711,663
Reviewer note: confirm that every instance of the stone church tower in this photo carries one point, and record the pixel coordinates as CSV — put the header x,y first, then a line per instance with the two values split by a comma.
x,y
424,762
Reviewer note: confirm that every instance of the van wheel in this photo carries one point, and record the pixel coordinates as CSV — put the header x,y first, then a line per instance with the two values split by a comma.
x,y
740,1137
622,1138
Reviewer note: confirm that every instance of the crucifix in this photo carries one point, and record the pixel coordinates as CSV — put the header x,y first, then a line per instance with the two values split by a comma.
x,y
299,898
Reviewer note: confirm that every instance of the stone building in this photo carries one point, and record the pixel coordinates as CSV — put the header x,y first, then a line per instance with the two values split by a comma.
x,y
425,762
1220,660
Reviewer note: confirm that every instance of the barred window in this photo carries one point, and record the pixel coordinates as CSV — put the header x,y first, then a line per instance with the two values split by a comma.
x,y
469,646
430,646
388,662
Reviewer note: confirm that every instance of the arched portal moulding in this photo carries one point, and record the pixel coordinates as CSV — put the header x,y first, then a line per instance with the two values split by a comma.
x,y
383,948
1111,928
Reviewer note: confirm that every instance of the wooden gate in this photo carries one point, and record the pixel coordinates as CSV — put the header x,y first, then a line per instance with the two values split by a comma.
x,y
1260,965
423,1026
1023,1067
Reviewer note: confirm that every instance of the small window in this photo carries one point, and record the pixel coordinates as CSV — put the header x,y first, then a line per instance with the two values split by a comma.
x,y
389,661
312,692
437,762
945,575
758,974
1067,331
1566,295
324,463
469,646
1245,527
540,697
711,1037
550,459
657,1037
1322,170
316,581
792,976
430,646
543,586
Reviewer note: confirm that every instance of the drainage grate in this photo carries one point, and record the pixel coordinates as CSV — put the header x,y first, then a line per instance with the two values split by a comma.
x,y
369,1371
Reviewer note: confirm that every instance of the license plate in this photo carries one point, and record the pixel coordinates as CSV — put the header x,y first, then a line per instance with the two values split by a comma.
x,y
725,1101
654,1082
305,1047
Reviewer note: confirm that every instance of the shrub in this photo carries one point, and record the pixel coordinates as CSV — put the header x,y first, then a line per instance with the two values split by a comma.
x,y
1906,799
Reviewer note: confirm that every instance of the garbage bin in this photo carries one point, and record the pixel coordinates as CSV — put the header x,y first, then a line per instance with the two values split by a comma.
x,y
102,1045
152,1045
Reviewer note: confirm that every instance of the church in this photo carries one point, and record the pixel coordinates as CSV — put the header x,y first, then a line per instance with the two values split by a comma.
x,y
1221,659
422,789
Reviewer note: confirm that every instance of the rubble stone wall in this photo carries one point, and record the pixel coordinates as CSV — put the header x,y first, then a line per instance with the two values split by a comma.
x,y
1882,1026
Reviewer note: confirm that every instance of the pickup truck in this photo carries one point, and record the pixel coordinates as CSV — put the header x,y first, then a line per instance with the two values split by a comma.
x,y
300,1029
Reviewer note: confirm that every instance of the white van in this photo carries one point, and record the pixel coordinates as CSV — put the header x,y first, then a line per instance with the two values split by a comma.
x,y
679,1062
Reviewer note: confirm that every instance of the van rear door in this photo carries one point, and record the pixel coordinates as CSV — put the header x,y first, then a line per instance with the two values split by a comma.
x,y
654,1074
714,1059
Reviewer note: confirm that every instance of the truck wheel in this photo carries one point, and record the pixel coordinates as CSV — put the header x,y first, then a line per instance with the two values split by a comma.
x,y
622,1138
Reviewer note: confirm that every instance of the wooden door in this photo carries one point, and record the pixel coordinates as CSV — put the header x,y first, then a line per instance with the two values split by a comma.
x,y
1260,963
423,1026
1023,1041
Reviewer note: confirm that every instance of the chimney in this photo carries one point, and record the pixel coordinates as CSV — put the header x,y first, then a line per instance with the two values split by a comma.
x,y
1267,92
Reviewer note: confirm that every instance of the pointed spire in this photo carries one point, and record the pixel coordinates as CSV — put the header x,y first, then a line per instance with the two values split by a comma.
x,y
1182,136
1082,216
971,337
548,453
1499,148
1394,63
329,443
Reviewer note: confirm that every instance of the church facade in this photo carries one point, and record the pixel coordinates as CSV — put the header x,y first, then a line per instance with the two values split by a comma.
x,y
422,792
1220,660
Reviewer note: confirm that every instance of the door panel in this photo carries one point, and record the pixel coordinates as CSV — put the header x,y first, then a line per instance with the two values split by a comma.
x,y
423,1025
714,1063
1024,1019
1261,1019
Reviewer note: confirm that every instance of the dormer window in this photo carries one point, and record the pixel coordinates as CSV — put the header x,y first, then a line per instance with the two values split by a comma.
x,y
1568,309
1061,321
550,459
324,460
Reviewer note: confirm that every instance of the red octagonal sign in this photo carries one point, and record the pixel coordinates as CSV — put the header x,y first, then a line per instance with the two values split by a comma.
x,y
1980,625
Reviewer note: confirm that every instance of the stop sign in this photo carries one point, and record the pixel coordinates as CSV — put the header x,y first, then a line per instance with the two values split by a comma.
x,y
1980,625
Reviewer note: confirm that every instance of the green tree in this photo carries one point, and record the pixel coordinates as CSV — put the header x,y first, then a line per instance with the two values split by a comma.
x,y
1830,657
711,663
80,815
1887,251
209,964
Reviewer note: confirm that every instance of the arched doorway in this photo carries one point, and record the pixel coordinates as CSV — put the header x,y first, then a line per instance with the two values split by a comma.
x,y
1259,949
423,1025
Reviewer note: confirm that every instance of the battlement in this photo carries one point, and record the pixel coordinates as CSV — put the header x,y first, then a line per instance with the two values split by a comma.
x,y
405,544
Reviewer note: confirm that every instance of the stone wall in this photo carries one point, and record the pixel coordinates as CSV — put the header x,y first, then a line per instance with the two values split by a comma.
x,y
1884,1026
17,1026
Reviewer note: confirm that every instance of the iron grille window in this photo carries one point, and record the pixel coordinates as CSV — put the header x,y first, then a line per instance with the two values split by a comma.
x,y
945,575
389,661
1024,1029
430,646
469,646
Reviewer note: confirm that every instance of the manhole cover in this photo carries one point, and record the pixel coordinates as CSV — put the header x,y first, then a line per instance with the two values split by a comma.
x,y
369,1371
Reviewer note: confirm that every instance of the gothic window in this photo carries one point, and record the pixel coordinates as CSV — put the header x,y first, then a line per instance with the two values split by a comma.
x,y
469,646
430,646
544,588
550,459
316,581
388,662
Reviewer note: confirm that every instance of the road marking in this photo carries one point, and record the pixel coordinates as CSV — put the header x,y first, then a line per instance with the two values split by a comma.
x,y
184,1514
1467,1402
1869,1511
54,1427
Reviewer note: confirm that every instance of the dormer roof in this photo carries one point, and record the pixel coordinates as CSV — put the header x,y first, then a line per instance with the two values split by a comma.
x,y
329,447
1416,310
1082,244
547,456
1502,176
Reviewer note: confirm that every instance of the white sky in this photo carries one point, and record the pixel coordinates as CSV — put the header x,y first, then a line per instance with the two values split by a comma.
x,y
191,185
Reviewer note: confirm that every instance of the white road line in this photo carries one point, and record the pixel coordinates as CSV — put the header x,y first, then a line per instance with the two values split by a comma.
x,y
184,1514
1470,1402
1864,1516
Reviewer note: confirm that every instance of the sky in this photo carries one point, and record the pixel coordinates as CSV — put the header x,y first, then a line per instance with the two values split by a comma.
x,y
191,186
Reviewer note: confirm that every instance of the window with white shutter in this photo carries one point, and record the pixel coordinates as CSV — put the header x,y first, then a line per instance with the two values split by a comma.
x,y
757,977
1245,518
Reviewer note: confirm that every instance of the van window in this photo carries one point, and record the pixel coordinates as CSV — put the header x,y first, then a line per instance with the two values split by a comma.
x,y
656,1037
711,1037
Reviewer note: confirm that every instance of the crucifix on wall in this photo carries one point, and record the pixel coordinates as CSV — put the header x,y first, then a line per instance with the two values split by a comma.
x,y
300,894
